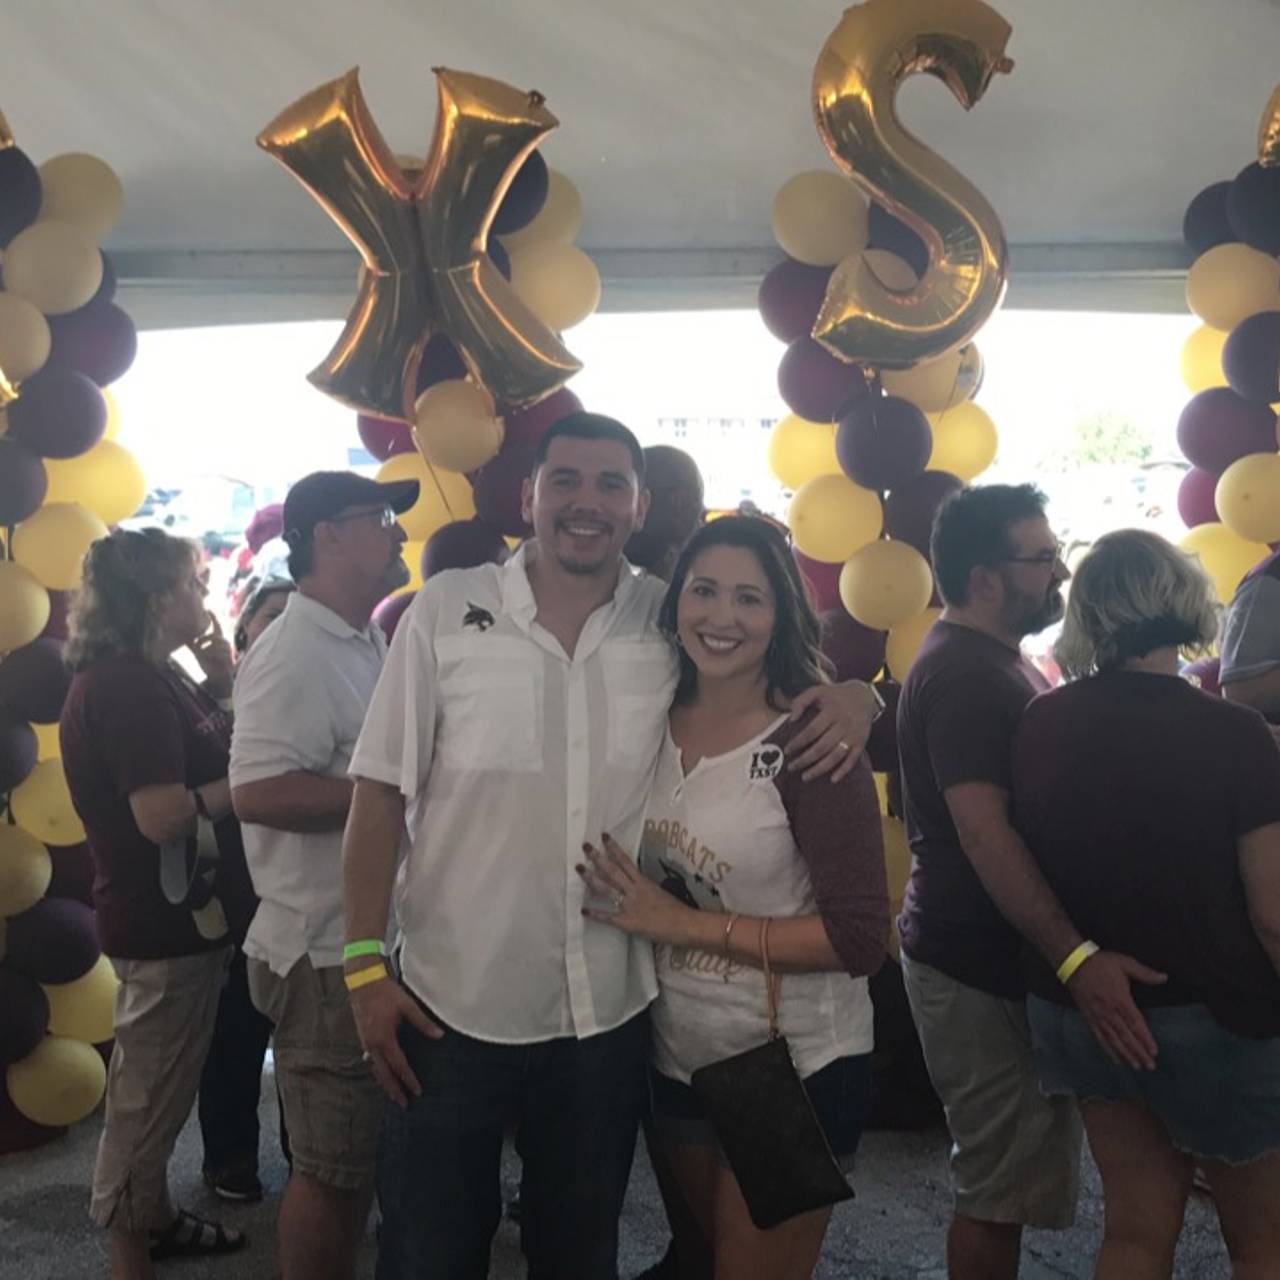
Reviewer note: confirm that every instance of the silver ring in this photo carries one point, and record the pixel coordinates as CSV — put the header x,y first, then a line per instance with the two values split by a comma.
x,y
366,1056
617,901
842,745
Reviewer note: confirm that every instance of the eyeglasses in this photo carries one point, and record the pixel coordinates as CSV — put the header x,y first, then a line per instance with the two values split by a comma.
x,y
384,516
1045,559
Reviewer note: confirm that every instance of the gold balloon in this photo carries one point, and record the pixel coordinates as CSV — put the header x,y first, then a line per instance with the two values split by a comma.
x,y
25,337
1248,497
106,481
25,870
886,583
1230,282
964,441
934,385
457,429
56,266
905,640
895,273
83,190
41,806
412,552
559,219
423,245
820,218
83,1009
24,607
1225,556
59,1082
830,517
48,744
442,498
799,450
1201,360
1269,132
557,282
876,46
52,543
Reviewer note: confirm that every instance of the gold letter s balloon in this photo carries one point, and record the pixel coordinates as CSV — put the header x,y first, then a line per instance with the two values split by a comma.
x,y
423,244
855,83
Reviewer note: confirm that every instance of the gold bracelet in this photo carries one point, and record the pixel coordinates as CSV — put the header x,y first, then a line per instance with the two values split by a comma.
x,y
363,977
728,939
1067,969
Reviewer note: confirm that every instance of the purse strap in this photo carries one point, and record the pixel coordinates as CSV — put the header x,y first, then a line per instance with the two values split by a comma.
x,y
771,980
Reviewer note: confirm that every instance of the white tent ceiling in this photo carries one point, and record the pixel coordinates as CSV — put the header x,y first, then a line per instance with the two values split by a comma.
x,y
678,121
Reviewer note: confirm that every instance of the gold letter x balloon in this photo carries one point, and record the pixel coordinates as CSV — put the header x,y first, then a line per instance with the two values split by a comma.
x,y
875,47
423,244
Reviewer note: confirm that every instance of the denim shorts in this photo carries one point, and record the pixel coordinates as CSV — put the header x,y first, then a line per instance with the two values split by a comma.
x,y
841,1094
1217,1094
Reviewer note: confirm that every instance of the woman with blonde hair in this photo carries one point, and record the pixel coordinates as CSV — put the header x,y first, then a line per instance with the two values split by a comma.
x,y
146,750
1153,810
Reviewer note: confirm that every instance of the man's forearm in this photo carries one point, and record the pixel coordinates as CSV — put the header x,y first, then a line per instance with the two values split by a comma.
x,y
1262,693
369,857
298,801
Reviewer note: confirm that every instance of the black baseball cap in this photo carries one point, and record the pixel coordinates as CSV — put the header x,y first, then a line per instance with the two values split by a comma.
x,y
323,494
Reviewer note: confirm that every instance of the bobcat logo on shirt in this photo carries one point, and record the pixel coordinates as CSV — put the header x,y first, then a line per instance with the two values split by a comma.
x,y
477,617
765,764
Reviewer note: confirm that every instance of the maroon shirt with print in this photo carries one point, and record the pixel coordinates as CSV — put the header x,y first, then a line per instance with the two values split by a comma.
x,y
128,724
1132,790
960,706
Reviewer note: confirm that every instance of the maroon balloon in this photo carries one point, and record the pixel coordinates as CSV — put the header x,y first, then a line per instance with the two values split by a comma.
x,y
883,442
441,361
909,511
464,544
34,682
99,340
856,652
815,384
499,257
1218,427
1196,497
1207,672
388,614
882,746
72,873
886,231
497,488
107,289
790,298
384,437
24,1016
23,482
58,626
529,425
267,523
823,581
1205,223
1251,358
18,752
525,196
20,193
54,941
1253,207
60,414
17,1133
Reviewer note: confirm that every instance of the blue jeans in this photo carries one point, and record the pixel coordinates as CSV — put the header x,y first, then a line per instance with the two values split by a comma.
x,y
576,1106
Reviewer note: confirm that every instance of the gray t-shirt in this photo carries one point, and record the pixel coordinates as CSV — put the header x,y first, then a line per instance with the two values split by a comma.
x,y
1251,626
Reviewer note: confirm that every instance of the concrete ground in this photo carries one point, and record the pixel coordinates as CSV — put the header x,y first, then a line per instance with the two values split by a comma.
x,y
894,1230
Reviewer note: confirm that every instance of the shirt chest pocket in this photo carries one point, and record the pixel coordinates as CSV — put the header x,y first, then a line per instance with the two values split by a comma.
x,y
639,680
491,709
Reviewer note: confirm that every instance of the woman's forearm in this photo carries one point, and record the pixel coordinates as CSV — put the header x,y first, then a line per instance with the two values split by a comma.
x,y
797,944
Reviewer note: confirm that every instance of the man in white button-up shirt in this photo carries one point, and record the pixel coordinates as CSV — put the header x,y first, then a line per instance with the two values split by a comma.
x,y
520,714
301,695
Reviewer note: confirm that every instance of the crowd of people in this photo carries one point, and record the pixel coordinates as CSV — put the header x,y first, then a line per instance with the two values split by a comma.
x,y
597,827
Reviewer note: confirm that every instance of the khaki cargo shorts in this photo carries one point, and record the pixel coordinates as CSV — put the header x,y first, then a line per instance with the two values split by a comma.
x,y
332,1104
1015,1154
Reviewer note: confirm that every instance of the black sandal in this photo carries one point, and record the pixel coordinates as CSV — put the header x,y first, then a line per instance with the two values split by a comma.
x,y
190,1237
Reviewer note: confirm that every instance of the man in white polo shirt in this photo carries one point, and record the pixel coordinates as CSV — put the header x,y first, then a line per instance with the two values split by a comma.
x,y
300,698
520,713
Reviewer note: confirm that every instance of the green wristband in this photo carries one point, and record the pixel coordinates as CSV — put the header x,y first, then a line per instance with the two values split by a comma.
x,y
365,947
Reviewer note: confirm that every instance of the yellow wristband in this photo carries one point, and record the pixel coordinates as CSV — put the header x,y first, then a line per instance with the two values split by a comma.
x,y
362,977
1067,969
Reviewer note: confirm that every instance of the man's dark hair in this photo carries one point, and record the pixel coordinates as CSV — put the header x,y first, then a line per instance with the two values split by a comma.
x,y
591,426
971,529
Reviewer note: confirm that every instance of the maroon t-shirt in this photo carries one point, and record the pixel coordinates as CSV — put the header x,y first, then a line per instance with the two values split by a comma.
x,y
128,723
1131,790
960,707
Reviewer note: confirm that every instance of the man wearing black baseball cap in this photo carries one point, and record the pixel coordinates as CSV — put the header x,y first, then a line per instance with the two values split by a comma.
x,y
300,699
